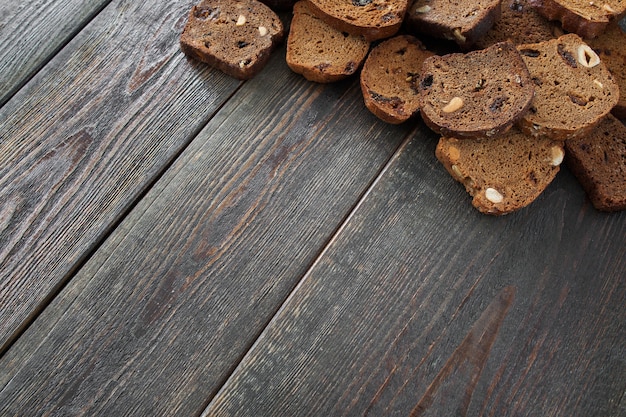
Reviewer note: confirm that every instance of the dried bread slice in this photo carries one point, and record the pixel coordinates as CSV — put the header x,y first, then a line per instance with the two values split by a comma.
x,y
476,94
502,174
599,162
372,19
573,88
520,23
463,22
587,19
611,48
389,78
235,36
320,52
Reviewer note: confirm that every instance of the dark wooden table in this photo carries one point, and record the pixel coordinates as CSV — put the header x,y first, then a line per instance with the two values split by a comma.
x,y
177,242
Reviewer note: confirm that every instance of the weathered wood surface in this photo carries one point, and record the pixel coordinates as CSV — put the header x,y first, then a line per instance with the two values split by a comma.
x,y
31,32
423,307
84,139
174,242
162,313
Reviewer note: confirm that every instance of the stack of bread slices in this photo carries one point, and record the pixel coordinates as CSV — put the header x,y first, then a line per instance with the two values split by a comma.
x,y
520,87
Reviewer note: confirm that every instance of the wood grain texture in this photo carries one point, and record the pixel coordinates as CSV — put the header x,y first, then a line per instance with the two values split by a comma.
x,y
165,309
422,306
86,137
31,32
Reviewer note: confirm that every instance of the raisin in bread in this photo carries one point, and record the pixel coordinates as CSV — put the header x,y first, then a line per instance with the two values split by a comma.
x,y
611,48
372,19
475,94
320,52
463,22
599,162
519,23
389,78
587,19
502,174
236,37
573,88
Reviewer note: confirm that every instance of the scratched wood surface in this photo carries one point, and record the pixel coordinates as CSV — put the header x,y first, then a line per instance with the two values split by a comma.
x,y
85,138
176,242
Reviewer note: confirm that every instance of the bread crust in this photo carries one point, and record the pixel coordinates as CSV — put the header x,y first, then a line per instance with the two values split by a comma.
x,y
584,18
372,19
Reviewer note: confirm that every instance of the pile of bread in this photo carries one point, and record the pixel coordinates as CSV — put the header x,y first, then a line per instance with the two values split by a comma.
x,y
522,85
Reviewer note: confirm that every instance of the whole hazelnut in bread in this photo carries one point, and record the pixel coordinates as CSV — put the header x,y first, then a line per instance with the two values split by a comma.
x,y
573,88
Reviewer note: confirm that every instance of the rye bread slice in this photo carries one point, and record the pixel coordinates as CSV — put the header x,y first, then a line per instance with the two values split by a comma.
x,y
463,22
611,48
476,94
502,174
573,88
372,19
320,52
389,78
520,23
587,19
235,36
599,162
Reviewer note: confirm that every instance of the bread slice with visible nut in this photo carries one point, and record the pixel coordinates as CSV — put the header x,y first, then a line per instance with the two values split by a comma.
x,y
235,36
520,23
475,94
502,174
372,19
585,18
463,22
598,160
611,48
389,78
320,52
573,88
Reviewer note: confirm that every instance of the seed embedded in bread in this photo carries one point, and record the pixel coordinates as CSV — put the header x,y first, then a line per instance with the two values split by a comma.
x,y
453,105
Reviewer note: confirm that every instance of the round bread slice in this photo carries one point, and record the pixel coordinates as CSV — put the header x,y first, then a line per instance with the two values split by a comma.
x,y
502,174
611,48
372,19
599,163
235,36
477,94
320,52
520,23
585,18
573,88
389,78
463,22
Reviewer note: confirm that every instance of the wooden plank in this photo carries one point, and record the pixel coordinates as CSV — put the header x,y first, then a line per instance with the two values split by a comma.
x,y
32,32
85,138
165,309
424,307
